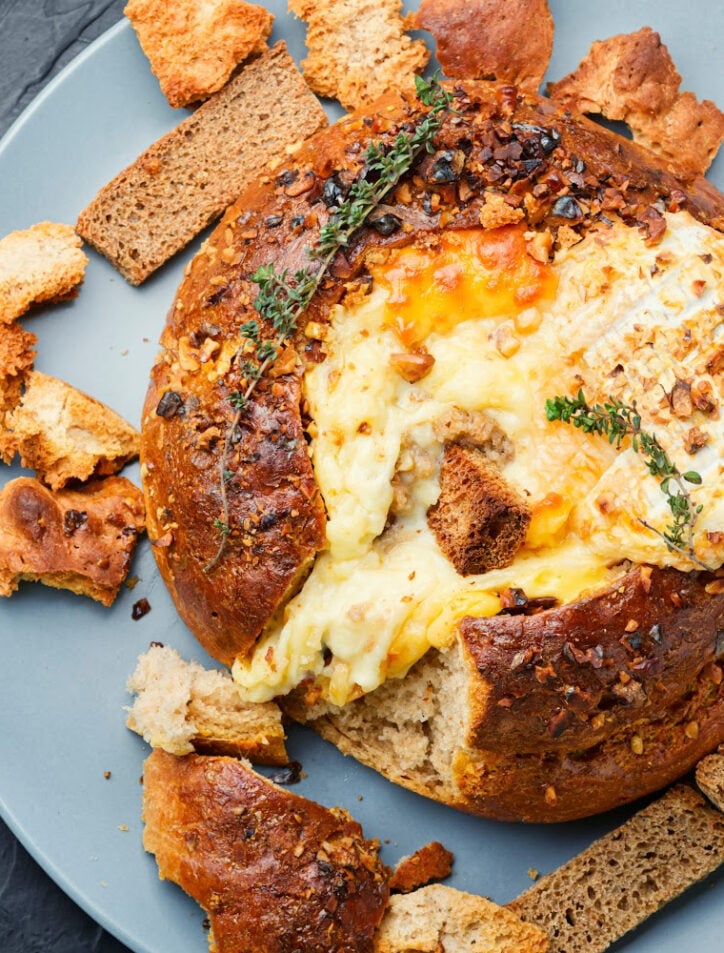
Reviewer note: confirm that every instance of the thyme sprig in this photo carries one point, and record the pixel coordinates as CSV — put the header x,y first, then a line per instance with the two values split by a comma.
x,y
283,298
617,420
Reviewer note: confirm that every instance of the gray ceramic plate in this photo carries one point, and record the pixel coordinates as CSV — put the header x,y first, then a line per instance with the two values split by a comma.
x,y
65,660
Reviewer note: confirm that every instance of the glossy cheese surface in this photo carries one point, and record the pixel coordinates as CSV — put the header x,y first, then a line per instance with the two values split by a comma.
x,y
505,331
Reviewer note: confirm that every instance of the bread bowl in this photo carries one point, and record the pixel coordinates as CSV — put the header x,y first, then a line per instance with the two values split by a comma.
x,y
326,582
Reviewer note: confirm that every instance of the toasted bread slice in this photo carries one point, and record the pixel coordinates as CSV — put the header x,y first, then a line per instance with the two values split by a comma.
x,y
183,707
358,49
63,434
81,540
186,179
274,870
631,77
42,263
193,47
627,875
438,919
480,520
484,39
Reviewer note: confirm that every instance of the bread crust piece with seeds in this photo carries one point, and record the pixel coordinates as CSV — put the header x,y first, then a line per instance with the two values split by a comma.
x,y
81,539
632,78
358,50
41,263
236,842
483,39
193,47
276,520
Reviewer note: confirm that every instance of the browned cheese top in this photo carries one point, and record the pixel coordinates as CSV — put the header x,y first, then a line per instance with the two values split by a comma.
x,y
559,171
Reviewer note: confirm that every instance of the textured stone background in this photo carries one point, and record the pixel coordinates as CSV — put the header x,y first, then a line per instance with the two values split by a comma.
x,y
37,39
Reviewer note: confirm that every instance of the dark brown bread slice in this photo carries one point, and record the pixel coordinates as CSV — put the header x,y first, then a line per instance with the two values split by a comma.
x,y
710,777
480,520
188,177
627,875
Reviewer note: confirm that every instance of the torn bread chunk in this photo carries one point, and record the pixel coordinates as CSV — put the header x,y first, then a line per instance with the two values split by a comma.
x,y
274,871
82,540
479,520
182,707
358,49
627,875
17,354
193,46
710,777
41,263
485,39
186,179
431,862
632,78
438,919
63,434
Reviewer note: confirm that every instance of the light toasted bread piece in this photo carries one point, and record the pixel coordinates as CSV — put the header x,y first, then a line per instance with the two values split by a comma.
x,y
627,875
274,870
183,707
431,862
438,919
710,777
63,434
485,39
42,263
631,77
17,353
358,49
81,540
193,46
186,179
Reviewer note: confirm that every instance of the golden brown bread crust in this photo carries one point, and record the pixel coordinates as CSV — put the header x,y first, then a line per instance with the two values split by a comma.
x,y
480,38
631,77
275,871
431,862
81,540
601,701
514,146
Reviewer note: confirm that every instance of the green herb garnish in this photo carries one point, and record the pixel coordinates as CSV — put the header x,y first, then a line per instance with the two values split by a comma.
x,y
616,420
283,297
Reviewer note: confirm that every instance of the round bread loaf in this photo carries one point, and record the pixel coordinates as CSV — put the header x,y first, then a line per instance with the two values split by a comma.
x,y
541,708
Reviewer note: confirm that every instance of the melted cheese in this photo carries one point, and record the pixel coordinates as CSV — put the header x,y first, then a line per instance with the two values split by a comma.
x,y
625,319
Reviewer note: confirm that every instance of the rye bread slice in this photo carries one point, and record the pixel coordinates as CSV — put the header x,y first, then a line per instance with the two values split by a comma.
x,y
627,875
186,179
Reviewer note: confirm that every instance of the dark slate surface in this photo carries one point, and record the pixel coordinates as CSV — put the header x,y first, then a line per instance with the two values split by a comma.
x,y
37,39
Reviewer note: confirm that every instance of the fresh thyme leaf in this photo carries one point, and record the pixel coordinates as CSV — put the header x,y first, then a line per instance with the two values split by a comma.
x,y
283,298
616,420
